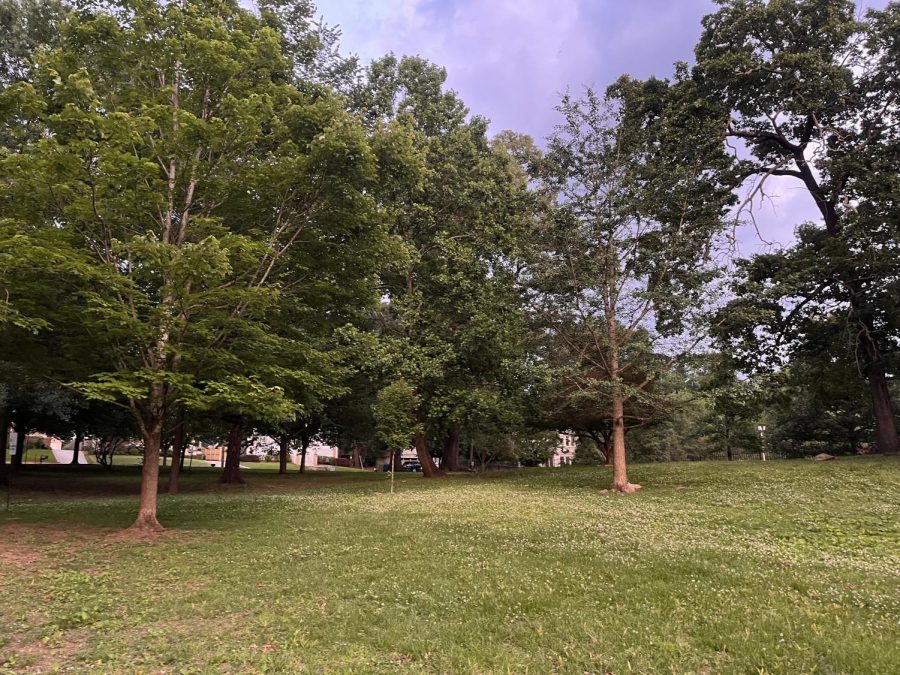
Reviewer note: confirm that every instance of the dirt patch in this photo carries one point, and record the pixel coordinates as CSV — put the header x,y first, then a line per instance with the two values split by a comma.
x,y
42,657
19,540
45,533
18,556
25,544
150,536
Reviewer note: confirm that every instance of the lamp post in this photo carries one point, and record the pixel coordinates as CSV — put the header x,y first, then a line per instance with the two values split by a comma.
x,y
761,428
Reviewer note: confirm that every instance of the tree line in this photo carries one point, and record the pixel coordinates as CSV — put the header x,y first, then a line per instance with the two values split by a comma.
x,y
213,223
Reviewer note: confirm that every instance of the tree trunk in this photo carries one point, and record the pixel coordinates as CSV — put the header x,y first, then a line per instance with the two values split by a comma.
x,y
620,469
885,424
19,457
355,459
76,447
398,459
603,443
619,462
178,443
429,468
284,446
303,448
450,461
152,437
232,471
4,445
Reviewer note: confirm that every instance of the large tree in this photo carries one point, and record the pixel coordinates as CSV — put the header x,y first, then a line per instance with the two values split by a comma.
x,y
810,93
189,171
624,254
450,323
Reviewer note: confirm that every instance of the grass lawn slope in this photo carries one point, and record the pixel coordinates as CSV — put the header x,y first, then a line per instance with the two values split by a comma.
x,y
776,567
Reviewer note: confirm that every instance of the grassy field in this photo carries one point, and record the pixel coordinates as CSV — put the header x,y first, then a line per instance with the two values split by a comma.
x,y
777,567
35,454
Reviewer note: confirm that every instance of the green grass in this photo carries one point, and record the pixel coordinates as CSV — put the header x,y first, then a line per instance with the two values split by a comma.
x,y
776,567
34,455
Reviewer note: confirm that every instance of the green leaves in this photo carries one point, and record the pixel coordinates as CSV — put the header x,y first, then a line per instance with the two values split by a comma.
x,y
395,411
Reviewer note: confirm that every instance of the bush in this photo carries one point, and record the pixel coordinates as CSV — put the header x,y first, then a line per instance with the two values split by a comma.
x,y
250,458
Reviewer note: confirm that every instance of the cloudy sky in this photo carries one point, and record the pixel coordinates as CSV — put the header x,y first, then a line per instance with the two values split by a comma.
x,y
511,59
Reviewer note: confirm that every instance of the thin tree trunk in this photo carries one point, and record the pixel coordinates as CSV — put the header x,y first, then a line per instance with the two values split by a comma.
x,y
429,468
602,442
885,425
19,457
4,444
152,437
450,461
620,469
76,447
284,446
392,472
619,461
232,471
303,448
178,443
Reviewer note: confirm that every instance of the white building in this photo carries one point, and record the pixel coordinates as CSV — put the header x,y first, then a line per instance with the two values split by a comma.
x,y
266,445
565,451
314,452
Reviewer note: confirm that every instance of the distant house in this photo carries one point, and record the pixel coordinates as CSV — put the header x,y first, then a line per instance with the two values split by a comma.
x,y
266,445
317,454
48,442
211,453
565,451
263,446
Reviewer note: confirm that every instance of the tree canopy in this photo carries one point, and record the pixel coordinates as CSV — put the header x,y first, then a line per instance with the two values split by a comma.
x,y
214,222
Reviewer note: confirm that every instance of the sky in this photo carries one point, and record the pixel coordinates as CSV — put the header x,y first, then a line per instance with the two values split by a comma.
x,y
510,61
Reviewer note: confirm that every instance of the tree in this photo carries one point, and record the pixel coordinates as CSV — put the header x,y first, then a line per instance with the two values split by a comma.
x,y
734,409
26,26
624,247
578,398
811,93
395,410
189,173
818,402
451,323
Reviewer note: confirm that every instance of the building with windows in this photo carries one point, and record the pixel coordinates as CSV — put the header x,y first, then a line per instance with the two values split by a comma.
x,y
565,451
